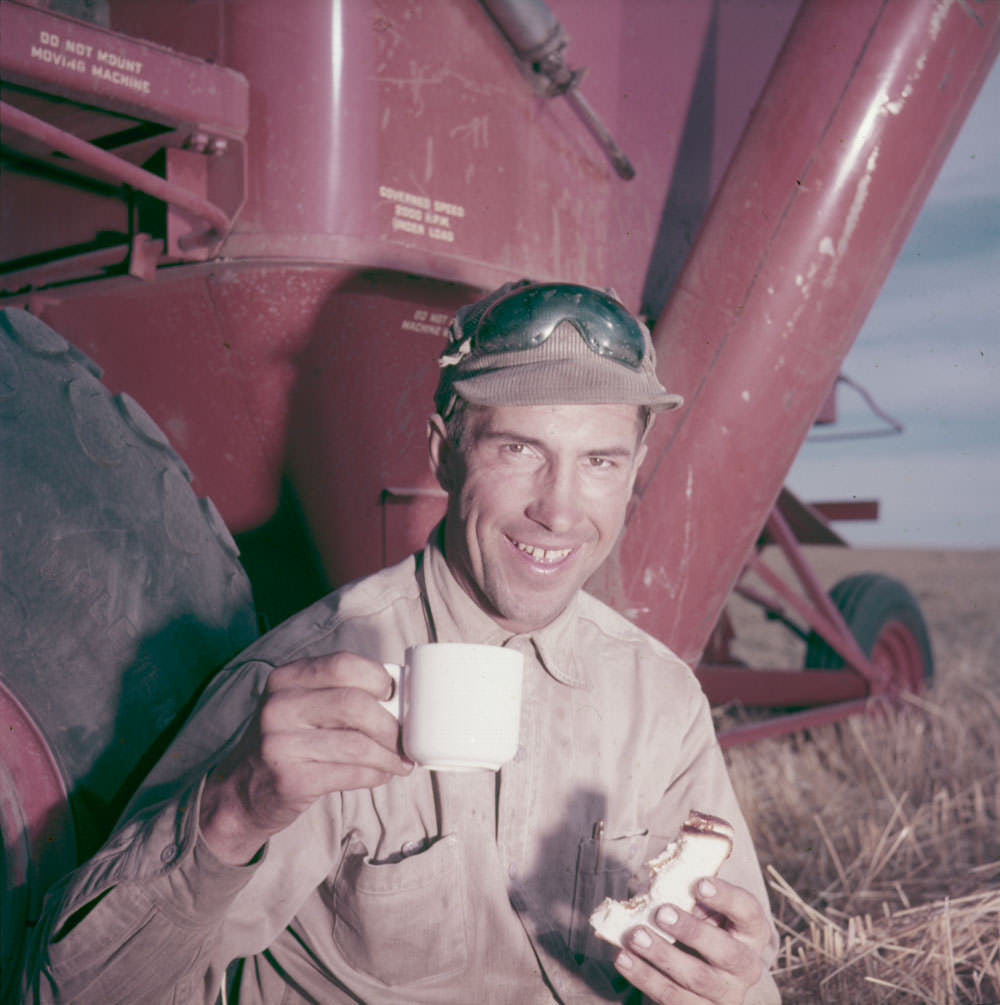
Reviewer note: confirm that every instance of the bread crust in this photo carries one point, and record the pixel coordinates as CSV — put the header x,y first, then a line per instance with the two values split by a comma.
x,y
703,844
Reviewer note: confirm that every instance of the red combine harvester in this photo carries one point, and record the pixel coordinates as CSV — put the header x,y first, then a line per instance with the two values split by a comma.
x,y
256,219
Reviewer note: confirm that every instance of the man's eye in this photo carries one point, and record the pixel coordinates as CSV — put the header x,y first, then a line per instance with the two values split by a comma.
x,y
601,463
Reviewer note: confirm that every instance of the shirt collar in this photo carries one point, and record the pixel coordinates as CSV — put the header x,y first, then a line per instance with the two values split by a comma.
x,y
456,617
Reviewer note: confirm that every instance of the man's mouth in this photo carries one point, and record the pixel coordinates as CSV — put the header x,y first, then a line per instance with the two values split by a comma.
x,y
543,556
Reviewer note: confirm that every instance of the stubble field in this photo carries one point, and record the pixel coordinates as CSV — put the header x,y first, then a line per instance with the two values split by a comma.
x,y
880,836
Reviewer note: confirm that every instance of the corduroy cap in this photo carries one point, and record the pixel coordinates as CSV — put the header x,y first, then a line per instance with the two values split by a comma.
x,y
546,344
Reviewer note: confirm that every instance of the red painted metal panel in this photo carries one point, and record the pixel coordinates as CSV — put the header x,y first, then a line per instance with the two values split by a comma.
x,y
847,509
37,834
187,197
62,55
857,117
171,347
262,371
424,111
108,114
404,135
782,725
779,688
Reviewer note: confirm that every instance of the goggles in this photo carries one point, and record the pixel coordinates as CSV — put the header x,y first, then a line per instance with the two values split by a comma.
x,y
526,317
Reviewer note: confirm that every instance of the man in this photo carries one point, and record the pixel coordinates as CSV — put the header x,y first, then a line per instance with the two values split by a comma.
x,y
284,830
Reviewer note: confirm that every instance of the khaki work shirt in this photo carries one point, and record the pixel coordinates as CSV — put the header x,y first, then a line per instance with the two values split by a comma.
x,y
435,888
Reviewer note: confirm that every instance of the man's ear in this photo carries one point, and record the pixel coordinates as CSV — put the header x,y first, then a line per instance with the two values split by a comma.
x,y
440,451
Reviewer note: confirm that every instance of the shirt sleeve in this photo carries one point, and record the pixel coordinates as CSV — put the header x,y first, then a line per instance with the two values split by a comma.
x,y
702,783
140,920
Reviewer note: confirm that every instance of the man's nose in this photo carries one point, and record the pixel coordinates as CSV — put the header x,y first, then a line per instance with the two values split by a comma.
x,y
556,501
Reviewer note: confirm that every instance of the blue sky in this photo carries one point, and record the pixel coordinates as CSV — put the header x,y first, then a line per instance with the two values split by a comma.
x,y
929,355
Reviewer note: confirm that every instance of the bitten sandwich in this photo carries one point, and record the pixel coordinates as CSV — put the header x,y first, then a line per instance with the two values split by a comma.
x,y
704,843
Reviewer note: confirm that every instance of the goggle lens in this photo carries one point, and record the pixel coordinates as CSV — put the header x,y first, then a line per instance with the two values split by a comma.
x,y
525,318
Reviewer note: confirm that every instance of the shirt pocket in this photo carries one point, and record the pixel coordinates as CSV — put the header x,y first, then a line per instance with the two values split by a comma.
x,y
605,867
125,920
402,921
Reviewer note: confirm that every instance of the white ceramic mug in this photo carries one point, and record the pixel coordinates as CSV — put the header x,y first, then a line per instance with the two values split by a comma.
x,y
459,704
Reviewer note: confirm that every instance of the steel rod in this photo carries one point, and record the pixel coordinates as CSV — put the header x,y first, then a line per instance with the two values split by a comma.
x,y
121,170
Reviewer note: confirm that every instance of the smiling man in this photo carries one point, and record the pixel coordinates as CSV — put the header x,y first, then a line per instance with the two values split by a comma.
x,y
285,848
539,498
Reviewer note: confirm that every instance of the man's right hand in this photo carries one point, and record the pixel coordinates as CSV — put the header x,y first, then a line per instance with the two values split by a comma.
x,y
318,728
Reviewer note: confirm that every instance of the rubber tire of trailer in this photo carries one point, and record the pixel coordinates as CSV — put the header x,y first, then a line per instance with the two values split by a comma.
x,y
121,594
886,620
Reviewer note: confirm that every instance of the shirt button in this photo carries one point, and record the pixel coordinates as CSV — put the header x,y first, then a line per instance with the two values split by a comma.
x,y
168,854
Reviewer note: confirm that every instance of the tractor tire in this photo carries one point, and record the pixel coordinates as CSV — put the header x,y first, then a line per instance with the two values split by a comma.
x,y
121,594
885,618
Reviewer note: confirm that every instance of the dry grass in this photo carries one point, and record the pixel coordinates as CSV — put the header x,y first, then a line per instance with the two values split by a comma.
x,y
881,835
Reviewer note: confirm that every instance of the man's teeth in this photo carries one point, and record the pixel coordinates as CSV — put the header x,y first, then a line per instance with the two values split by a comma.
x,y
544,554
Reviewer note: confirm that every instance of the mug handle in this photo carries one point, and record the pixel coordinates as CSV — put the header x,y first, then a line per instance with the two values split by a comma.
x,y
392,702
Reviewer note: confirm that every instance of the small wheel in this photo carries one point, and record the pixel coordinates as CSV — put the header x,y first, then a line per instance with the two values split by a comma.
x,y
885,618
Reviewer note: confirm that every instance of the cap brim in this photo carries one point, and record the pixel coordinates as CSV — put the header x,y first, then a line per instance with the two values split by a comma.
x,y
564,382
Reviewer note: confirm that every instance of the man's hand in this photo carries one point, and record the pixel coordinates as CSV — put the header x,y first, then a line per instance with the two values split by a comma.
x,y
716,958
319,728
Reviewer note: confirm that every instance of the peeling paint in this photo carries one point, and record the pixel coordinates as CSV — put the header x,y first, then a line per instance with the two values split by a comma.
x,y
883,105
853,215
895,107
421,78
476,131
937,18
858,204
805,282
657,578
429,159
678,592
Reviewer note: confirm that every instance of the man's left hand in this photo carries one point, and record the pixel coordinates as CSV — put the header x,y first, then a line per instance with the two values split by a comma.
x,y
716,958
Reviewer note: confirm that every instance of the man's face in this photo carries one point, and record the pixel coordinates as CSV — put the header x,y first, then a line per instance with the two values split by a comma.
x,y
537,497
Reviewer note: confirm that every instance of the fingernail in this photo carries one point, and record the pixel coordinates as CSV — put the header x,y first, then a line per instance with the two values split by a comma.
x,y
707,889
642,938
624,961
666,916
